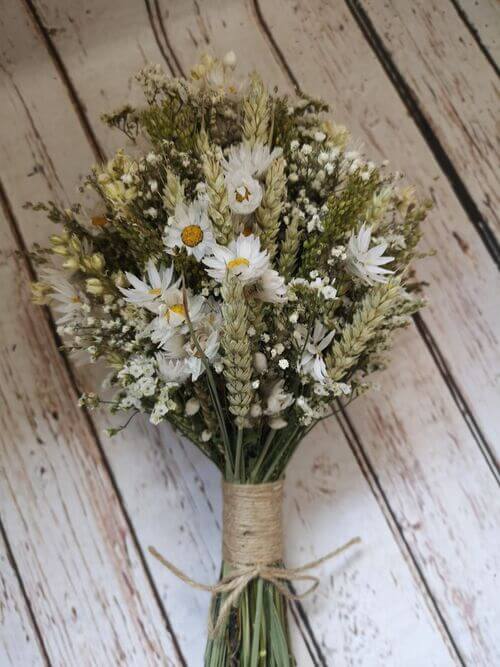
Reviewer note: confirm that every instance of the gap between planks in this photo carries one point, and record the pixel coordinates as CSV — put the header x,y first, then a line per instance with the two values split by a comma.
x,y
14,228
475,34
428,339
302,622
412,105
15,569
66,77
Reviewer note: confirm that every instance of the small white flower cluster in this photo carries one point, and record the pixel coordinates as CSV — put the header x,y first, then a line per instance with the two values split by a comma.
x,y
241,275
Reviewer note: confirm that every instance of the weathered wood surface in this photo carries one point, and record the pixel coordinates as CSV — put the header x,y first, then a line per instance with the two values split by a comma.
x,y
73,549
483,17
152,478
19,643
169,492
342,69
455,88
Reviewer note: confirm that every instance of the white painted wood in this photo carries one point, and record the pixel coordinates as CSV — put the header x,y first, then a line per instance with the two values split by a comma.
x,y
172,495
328,55
18,641
454,85
74,551
484,17
337,64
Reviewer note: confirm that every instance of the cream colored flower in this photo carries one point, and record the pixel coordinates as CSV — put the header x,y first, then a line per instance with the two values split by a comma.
x,y
253,160
217,75
243,166
149,292
365,262
277,399
271,287
67,300
242,257
191,229
181,349
312,362
171,370
244,192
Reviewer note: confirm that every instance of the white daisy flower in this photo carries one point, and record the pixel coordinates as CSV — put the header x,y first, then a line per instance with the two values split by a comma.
x,y
171,318
67,300
365,262
312,362
243,166
149,291
191,229
243,257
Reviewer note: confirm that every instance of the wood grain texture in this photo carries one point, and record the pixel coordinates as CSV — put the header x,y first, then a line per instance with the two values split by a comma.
x,y
19,643
344,71
74,550
483,16
462,316
453,86
171,493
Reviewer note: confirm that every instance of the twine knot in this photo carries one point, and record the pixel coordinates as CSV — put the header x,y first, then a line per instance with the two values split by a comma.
x,y
252,548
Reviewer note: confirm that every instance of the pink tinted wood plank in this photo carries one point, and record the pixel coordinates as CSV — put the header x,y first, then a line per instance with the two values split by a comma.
x,y
74,549
221,28
454,86
19,644
75,553
483,16
170,493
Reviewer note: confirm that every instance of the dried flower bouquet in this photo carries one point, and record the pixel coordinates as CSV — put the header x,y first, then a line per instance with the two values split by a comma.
x,y
241,276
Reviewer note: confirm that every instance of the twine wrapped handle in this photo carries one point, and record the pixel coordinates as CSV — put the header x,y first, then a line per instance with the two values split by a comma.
x,y
252,545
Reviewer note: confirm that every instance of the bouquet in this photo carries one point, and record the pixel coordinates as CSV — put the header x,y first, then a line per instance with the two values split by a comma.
x,y
240,270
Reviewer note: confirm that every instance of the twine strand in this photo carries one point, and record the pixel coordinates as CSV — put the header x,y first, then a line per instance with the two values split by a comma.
x,y
252,544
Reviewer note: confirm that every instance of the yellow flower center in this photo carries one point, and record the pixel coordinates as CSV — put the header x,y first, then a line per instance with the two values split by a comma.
x,y
242,194
238,261
99,221
154,291
177,308
192,235
247,231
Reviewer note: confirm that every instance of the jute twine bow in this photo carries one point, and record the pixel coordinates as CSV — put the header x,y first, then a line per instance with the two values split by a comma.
x,y
253,548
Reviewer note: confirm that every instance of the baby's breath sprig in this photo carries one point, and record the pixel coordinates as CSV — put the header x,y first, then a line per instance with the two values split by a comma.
x,y
239,277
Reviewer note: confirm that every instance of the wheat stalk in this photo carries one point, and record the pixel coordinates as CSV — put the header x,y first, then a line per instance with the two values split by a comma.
x,y
218,208
368,317
256,113
173,192
269,212
237,353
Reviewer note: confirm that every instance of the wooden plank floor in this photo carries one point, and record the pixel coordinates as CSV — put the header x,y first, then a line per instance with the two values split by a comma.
x,y
413,468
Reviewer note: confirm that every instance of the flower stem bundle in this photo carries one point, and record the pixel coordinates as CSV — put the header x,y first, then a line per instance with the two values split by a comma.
x,y
242,277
